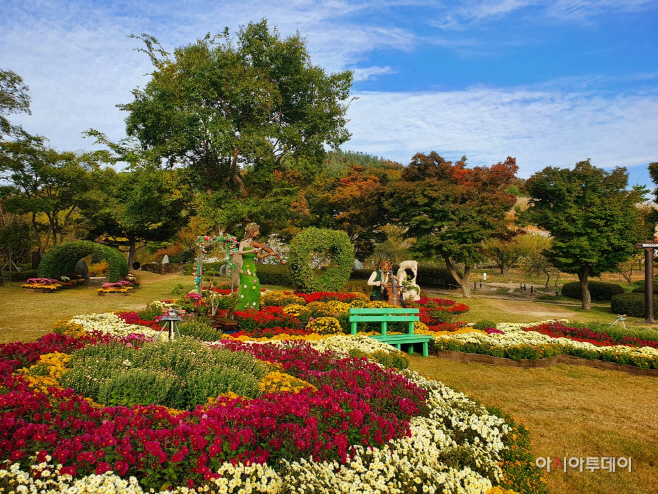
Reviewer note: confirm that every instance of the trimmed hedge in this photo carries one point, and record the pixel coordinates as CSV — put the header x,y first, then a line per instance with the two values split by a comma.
x,y
437,276
20,275
631,304
640,286
273,274
428,275
341,252
597,290
61,259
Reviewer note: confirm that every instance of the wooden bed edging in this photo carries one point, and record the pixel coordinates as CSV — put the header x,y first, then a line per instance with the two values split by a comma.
x,y
476,358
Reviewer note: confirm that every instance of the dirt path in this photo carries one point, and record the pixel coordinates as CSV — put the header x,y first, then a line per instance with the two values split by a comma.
x,y
521,309
534,309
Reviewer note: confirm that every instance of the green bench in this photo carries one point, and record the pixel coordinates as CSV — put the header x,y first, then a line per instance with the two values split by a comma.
x,y
386,315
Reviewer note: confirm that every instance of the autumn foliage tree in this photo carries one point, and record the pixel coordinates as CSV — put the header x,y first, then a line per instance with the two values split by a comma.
x,y
452,209
353,203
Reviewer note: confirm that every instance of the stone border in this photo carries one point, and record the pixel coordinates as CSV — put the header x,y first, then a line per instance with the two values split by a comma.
x,y
476,358
113,294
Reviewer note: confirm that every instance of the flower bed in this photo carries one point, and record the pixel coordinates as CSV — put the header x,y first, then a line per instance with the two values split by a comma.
x,y
522,341
558,329
319,419
123,286
43,285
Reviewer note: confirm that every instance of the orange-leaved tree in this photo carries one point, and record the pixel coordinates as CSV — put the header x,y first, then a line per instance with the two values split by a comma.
x,y
451,209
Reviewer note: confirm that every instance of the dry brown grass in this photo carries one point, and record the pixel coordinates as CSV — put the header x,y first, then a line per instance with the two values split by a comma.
x,y
572,411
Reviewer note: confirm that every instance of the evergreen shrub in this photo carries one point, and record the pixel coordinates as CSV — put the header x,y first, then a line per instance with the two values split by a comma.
x,y
597,290
640,286
428,275
61,259
338,247
273,274
631,304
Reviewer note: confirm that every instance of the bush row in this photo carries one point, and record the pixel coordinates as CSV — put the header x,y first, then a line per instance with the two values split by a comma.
x,y
428,275
640,286
631,304
20,275
597,290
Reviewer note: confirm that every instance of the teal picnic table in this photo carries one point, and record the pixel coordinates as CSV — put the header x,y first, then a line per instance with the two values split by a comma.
x,y
385,315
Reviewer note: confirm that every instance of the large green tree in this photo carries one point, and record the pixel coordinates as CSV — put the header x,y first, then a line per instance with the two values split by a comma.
x,y
226,108
14,98
451,209
592,218
47,185
141,205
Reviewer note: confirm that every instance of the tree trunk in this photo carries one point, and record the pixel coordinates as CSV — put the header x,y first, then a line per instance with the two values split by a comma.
x,y
462,280
235,171
131,252
548,277
583,273
505,272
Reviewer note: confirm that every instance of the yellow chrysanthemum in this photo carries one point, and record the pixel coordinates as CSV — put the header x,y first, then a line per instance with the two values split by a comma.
x,y
277,381
294,310
325,326
47,371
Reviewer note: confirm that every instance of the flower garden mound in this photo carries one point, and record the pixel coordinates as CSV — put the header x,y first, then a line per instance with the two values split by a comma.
x,y
319,420
550,339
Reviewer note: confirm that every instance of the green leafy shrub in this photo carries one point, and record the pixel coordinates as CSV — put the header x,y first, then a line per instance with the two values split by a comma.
x,y
61,259
187,256
640,286
428,275
392,360
199,330
227,302
179,374
597,290
360,274
138,387
20,275
484,324
631,304
337,246
152,267
150,312
434,275
274,274
358,286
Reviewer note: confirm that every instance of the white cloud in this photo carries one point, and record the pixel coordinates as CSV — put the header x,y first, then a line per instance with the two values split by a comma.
x,y
540,128
461,13
371,73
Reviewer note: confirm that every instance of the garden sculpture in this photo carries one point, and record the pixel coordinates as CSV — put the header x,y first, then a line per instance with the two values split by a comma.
x,y
409,287
248,250
385,284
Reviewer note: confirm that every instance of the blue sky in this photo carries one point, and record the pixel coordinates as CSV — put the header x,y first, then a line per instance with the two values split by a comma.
x,y
548,82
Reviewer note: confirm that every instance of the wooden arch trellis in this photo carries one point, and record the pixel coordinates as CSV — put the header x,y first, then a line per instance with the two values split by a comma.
x,y
230,245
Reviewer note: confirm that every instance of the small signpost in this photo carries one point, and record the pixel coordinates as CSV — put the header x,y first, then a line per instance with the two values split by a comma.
x,y
648,279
